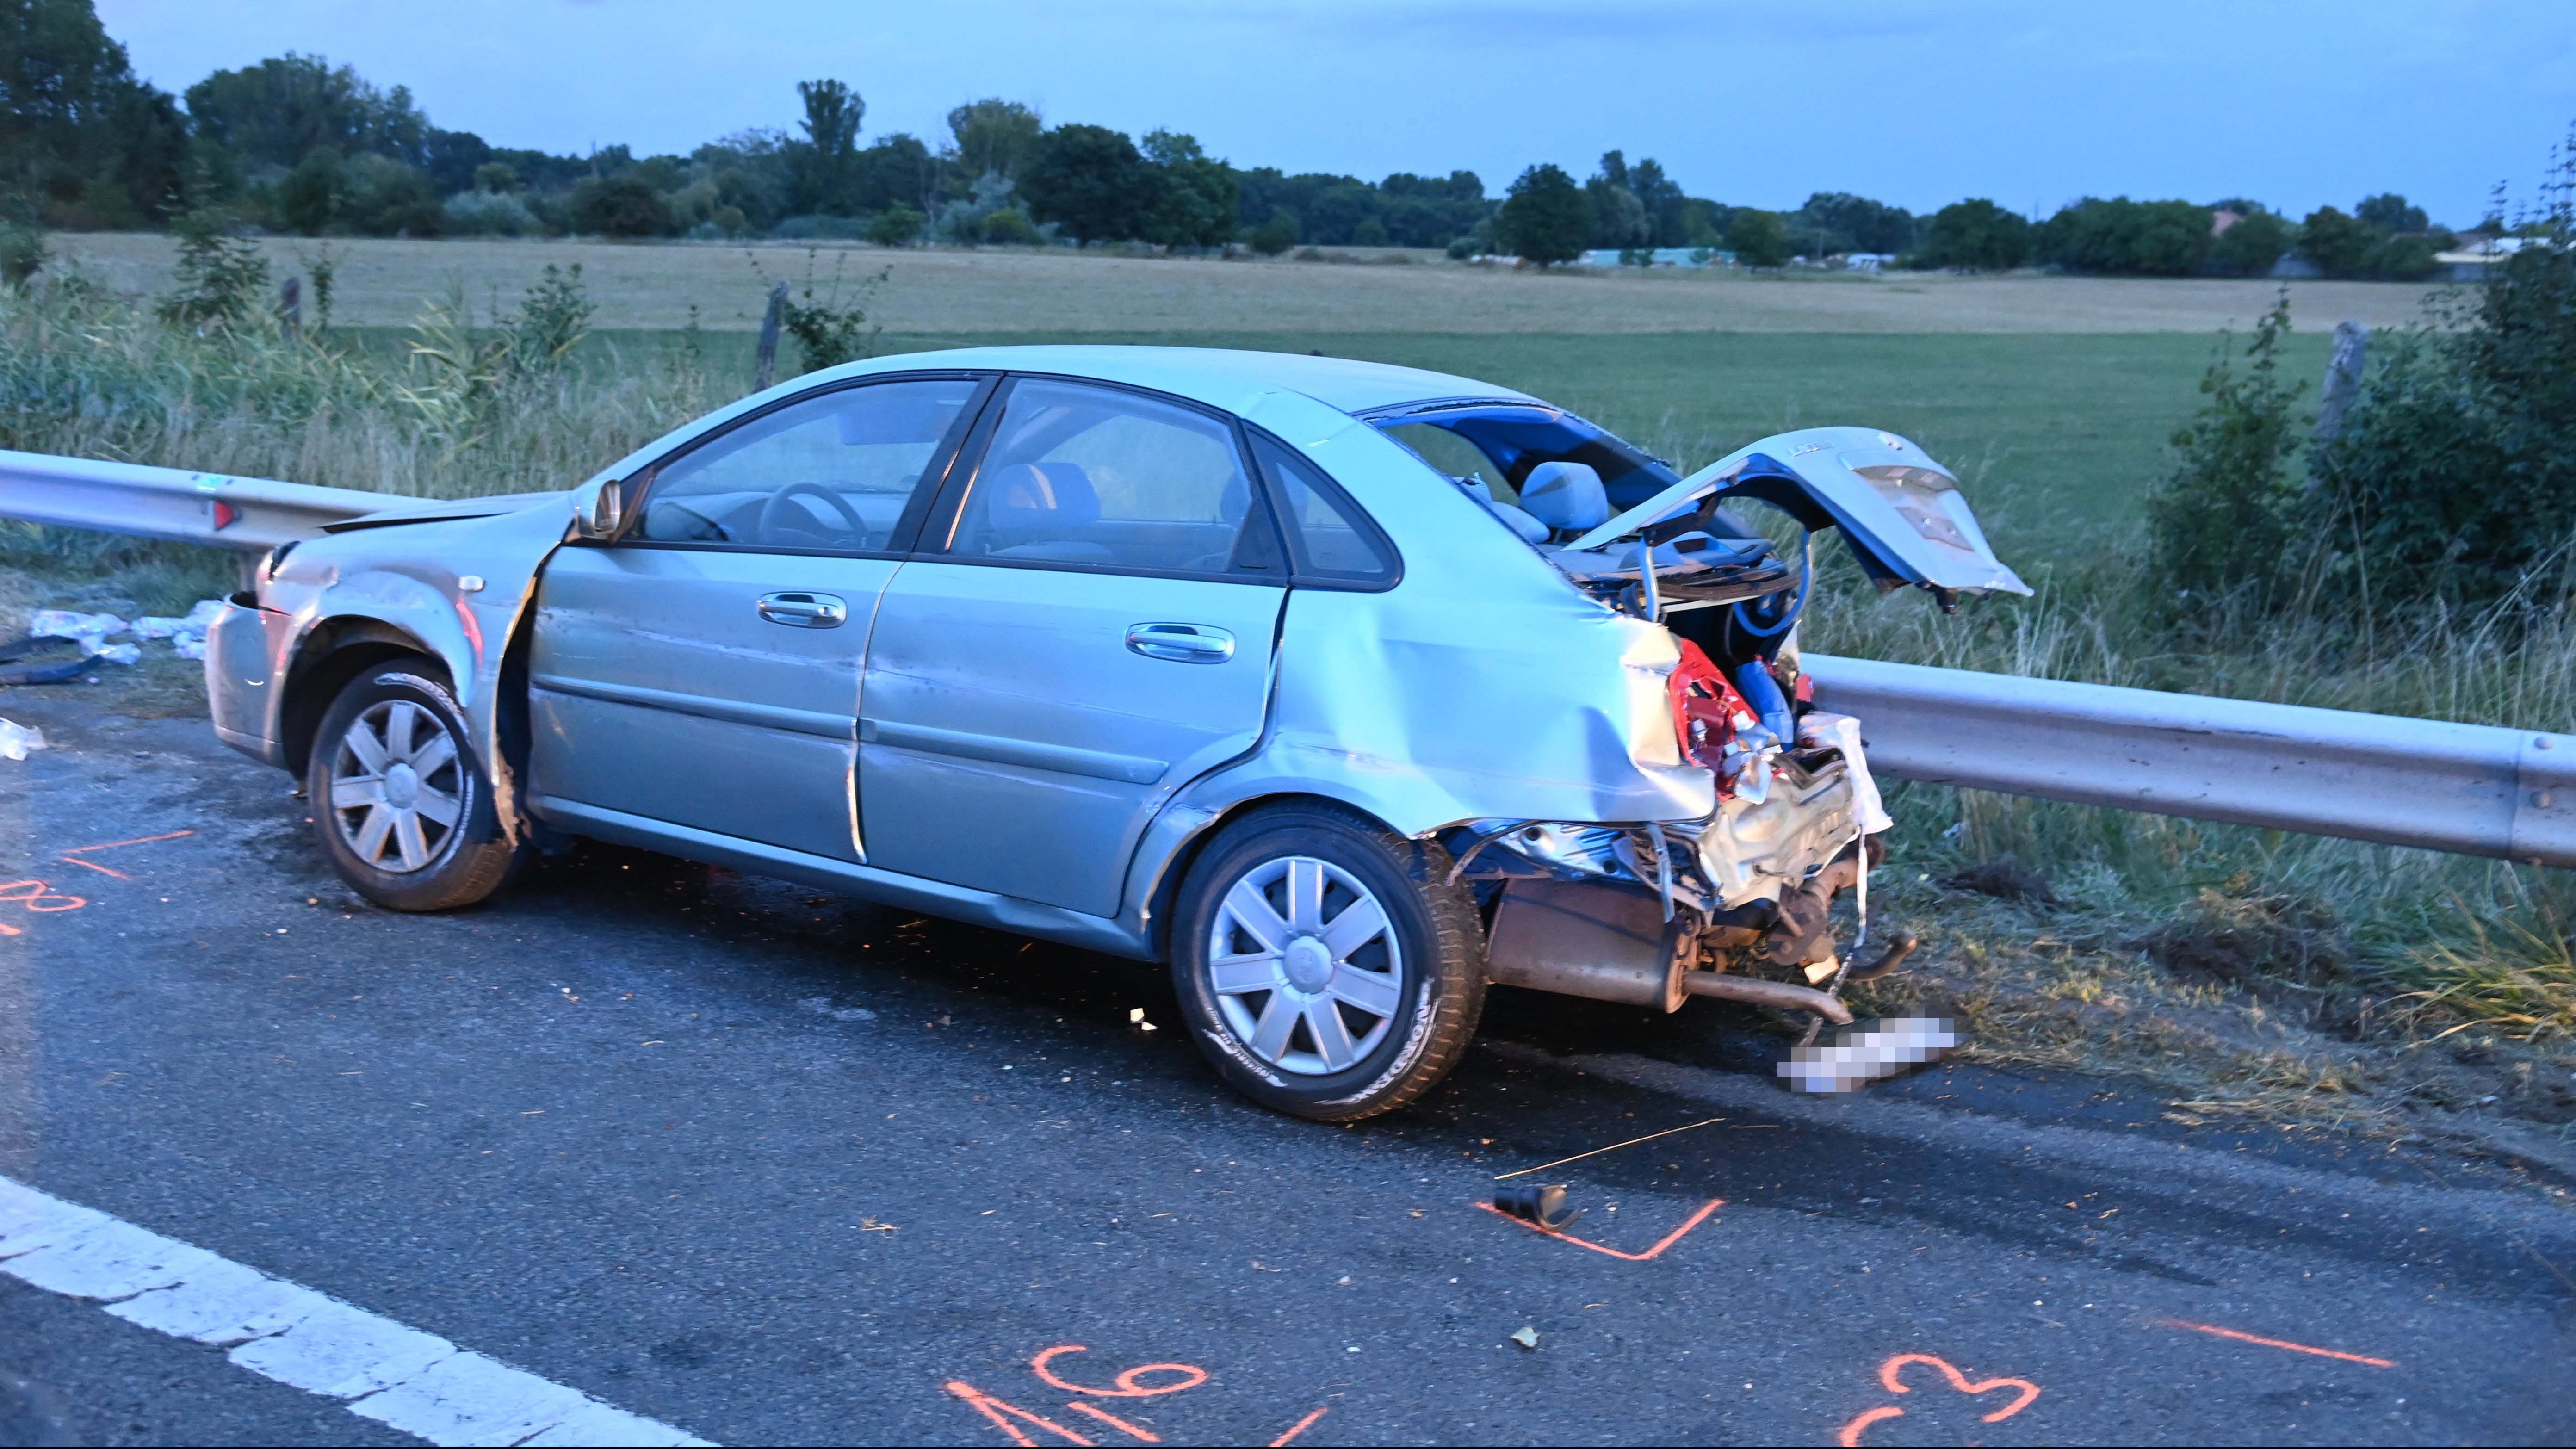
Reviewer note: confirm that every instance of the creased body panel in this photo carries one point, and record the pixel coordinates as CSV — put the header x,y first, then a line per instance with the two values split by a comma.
x,y
1481,686
408,578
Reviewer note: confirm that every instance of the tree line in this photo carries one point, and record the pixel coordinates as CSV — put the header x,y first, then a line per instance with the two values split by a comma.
x,y
297,144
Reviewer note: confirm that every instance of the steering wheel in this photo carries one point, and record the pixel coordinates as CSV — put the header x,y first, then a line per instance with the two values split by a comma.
x,y
775,513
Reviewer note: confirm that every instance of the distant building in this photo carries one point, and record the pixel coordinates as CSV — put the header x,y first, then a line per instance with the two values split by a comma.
x,y
2476,261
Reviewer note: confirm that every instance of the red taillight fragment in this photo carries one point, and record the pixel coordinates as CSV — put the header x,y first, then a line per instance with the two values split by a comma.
x,y
1707,712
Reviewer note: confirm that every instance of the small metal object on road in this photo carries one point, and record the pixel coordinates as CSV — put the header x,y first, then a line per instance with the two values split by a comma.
x,y
1535,1203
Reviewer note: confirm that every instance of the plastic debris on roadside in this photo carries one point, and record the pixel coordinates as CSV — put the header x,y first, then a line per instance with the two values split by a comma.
x,y
187,634
1868,1051
17,739
91,630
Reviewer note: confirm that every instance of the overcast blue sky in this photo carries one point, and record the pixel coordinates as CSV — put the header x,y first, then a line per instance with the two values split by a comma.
x,y
1920,102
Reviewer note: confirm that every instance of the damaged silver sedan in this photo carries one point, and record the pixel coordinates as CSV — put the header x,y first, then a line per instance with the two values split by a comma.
x,y
1345,689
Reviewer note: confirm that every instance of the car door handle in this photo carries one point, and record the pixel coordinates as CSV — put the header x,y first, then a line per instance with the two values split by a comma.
x,y
1186,643
801,610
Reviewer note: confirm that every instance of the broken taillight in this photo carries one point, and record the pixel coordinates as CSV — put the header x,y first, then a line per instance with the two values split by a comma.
x,y
1707,712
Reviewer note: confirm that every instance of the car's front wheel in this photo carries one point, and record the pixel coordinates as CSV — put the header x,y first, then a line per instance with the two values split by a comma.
x,y
399,803
1327,967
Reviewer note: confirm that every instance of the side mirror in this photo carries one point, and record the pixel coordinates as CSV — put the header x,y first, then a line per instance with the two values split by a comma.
x,y
598,510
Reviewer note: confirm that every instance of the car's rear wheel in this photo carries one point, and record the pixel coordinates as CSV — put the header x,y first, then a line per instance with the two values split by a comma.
x,y
1327,967
399,803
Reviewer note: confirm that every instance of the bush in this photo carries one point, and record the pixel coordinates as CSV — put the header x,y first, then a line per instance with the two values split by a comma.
x,y
1758,238
1274,236
2455,474
222,280
1545,218
2224,517
730,220
22,252
625,205
1976,235
1369,233
1091,180
1010,227
829,327
487,213
896,226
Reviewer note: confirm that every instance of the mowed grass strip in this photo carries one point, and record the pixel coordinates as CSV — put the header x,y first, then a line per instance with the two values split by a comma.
x,y
385,282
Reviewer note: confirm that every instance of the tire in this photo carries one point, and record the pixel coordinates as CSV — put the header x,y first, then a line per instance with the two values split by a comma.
x,y
1405,996
392,755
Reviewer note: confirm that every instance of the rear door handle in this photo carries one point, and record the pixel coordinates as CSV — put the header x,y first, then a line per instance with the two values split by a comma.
x,y
800,610
1185,643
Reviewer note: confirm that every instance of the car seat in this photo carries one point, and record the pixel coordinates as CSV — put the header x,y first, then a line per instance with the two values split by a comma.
x,y
1037,511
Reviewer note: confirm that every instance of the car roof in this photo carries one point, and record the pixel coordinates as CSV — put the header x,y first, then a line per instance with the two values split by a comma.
x,y
1222,377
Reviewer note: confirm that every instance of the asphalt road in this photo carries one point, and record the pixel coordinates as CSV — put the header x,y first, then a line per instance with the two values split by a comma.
x,y
780,1168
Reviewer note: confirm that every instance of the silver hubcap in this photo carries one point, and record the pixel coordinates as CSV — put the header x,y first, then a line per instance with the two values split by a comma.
x,y
397,787
1305,965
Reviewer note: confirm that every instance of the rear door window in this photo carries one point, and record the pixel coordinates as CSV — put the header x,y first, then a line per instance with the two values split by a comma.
x,y
1329,538
831,472
1099,476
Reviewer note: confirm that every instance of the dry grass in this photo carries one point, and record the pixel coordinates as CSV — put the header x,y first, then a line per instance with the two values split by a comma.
x,y
383,283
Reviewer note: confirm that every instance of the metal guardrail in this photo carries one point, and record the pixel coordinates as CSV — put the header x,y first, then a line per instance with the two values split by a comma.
x,y
2470,789
248,514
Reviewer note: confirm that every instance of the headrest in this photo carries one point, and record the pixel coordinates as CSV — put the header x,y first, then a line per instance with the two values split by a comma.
x,y
1053,499
1566,496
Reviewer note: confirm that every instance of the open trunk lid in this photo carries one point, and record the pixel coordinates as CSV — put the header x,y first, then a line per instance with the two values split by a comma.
x,y
1900,512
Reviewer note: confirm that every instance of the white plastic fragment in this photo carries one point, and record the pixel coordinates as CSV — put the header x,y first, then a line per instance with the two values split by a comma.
x,y
119,653
90,630
17,739
189,646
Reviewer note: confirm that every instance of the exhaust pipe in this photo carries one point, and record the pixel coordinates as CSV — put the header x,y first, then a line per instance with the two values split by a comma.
x,y
1766,993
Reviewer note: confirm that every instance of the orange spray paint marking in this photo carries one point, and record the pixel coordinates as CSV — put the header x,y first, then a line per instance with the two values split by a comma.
x,y
32,894
1300,1427
1001,1414
1890,1375
1130,1384
2215,1331
1670,1238
1114,1422
1849,1438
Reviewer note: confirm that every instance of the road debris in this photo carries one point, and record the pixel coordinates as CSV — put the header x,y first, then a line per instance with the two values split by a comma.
x,y
1532,1203
17,739
1525,1336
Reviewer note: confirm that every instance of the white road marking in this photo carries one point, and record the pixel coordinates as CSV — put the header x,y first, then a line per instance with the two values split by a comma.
x,y
413,1381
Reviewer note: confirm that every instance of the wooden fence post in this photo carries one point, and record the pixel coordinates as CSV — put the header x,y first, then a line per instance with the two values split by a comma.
x,y
2343,378
768,355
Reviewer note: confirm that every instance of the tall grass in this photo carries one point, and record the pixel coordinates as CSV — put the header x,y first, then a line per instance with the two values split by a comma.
x,y
90,374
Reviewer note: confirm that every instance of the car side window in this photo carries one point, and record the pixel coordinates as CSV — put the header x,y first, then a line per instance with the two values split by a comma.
x,y
1327,535
1089,475
827,472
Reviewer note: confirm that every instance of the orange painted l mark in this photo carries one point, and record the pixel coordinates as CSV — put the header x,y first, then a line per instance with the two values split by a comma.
x,y
2214,1331
1670,1238
74,855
